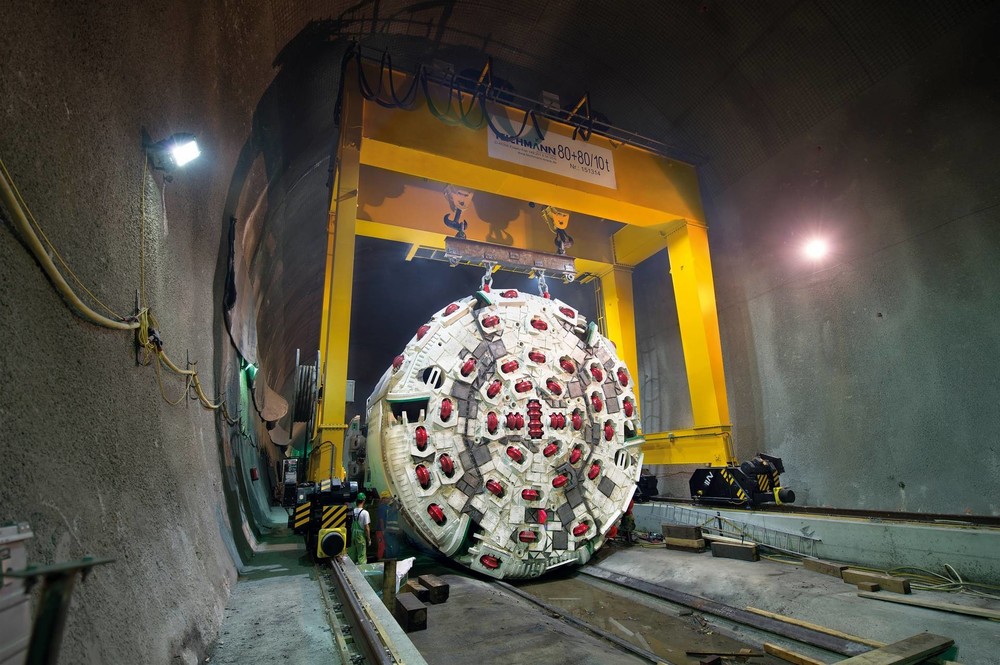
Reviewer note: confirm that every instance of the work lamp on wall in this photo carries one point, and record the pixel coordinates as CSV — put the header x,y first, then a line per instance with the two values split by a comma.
x,y
173,152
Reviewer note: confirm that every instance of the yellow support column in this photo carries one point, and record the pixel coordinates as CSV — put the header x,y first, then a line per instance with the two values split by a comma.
x,y
694,291
326,459
619,316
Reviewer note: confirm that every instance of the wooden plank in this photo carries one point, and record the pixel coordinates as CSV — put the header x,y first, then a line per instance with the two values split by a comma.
x,y
681,531
734,551
726,539
905,652
422,593
868,586
935,605
410,613
692,543
819,629
826,567
789,655
388,581
439,589
887,582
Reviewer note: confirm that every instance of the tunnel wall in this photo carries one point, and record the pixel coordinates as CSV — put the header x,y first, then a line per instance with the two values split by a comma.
x,y
92,456
872,374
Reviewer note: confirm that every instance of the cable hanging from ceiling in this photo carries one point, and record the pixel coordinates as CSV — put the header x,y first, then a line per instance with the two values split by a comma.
x,y
469,96
467,101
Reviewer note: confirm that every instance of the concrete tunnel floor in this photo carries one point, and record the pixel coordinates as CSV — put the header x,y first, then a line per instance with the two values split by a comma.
x,y
802,594
276,612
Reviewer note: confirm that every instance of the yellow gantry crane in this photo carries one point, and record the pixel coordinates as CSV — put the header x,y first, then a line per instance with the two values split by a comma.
x,y
391,162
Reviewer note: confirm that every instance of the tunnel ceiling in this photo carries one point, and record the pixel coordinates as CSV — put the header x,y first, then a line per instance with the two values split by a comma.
x,y
726,84
730,81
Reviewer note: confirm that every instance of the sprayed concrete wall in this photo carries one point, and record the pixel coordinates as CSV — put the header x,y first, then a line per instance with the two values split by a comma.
x,y
90,454
873,374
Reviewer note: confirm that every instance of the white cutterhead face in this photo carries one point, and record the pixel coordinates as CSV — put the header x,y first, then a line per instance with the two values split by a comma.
x,y
509,431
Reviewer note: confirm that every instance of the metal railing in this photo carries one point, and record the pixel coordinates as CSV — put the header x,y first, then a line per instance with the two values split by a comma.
x,y
782,541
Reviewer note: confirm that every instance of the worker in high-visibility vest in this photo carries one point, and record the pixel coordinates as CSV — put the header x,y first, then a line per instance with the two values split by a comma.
x,y
361,535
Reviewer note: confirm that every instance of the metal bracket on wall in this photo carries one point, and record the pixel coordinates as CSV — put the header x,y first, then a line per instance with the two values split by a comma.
x,y
135,337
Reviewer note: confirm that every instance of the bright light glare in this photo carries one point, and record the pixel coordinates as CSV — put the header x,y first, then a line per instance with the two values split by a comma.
x,y
815,249
184,152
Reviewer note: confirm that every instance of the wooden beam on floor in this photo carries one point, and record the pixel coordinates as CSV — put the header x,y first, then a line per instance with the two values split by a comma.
x,y
826,567
935,605
887,582
790,656
905,652
818,628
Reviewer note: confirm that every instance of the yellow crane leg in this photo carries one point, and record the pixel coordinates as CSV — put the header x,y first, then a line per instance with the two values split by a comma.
x,y
619,316
709,441
326,459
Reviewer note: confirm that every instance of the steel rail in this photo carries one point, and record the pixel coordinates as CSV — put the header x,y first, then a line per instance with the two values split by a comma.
x,y
371,643
560,613
791,631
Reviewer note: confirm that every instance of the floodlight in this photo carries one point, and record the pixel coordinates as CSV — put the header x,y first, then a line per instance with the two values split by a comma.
x,y
815,249
173,152
184,152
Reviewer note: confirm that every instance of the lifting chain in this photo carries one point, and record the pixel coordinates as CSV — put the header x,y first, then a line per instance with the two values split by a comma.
x,y
487,281
543,287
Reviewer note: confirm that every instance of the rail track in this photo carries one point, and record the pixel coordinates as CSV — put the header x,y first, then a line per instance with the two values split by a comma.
x,y
361,639
359,635
726,639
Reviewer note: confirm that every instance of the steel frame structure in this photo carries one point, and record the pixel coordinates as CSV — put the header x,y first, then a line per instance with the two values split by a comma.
x,y
656,198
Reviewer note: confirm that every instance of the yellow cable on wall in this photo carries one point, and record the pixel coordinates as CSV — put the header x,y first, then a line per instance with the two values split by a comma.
x,y
25,222
13,202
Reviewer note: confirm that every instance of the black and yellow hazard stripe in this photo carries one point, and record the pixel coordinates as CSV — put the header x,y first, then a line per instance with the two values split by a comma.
x,y
302,513
334,517
732,481
774,478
